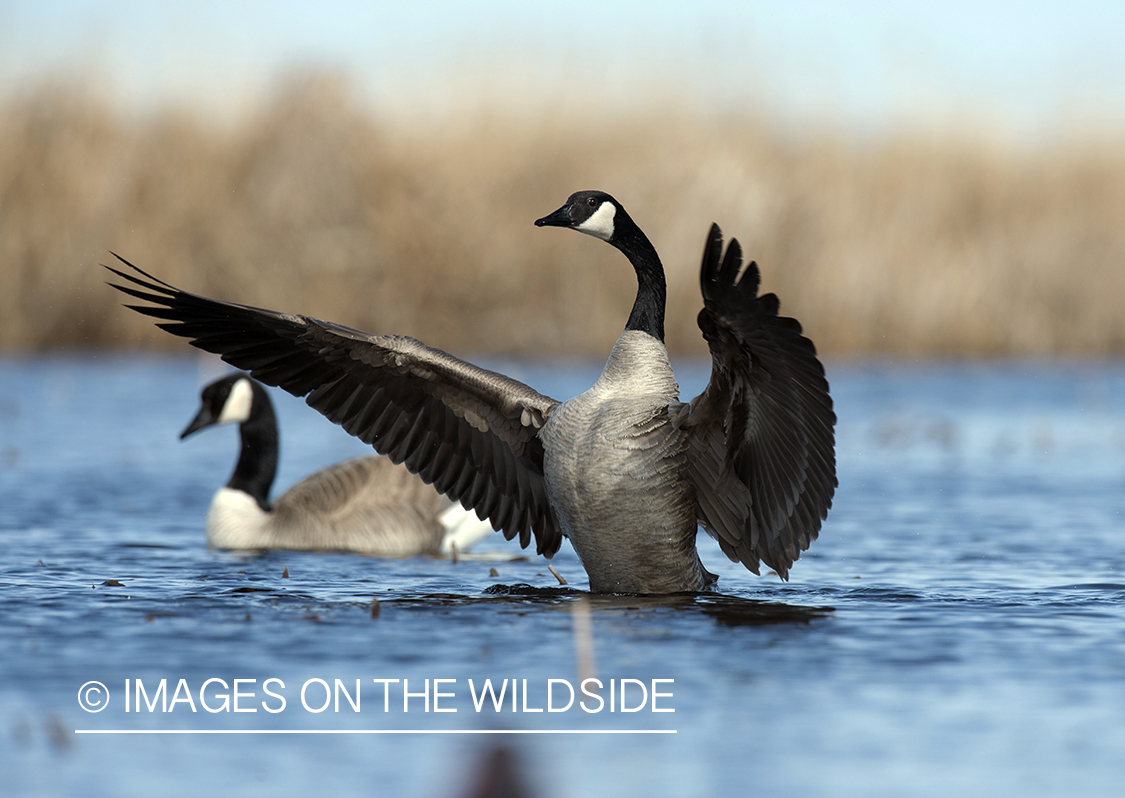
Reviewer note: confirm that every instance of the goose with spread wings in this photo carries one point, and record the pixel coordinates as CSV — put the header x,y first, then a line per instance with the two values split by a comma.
x,y
626,471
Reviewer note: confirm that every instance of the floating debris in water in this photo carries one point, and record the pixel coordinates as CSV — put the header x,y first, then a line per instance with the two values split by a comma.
x,y
558,576
112,583
375,608
456,556
493,572
285,573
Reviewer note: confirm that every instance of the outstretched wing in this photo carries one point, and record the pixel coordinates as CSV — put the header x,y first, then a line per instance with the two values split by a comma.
x,y
761,443
470,432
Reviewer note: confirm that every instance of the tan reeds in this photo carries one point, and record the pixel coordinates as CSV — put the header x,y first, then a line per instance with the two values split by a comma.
x,y
909,244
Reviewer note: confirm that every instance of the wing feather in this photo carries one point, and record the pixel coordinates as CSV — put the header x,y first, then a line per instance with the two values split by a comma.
x,y
761,441
470,432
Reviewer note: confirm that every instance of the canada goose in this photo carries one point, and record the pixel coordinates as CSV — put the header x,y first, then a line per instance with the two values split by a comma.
x,y
625,470
367,505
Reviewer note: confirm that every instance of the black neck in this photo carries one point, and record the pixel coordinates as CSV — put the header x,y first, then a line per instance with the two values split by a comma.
x,y
257,461
652,292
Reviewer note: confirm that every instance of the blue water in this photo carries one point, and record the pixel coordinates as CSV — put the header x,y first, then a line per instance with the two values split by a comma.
x,y
959,628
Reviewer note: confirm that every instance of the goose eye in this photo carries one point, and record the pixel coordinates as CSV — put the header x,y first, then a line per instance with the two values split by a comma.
x,y
591,201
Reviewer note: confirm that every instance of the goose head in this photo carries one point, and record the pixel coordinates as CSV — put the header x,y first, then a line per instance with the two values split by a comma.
x,y
597,214
229,400
594,213
237,399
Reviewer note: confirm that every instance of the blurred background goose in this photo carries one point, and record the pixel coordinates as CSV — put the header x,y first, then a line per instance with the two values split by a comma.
x,y
626,471
367,505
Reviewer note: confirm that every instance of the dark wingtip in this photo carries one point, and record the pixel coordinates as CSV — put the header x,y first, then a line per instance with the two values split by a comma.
x,y
127,263
769,303
732,262
712,250
137,269
750,281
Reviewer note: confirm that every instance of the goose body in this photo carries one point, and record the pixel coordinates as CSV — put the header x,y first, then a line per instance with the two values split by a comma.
x,y
625,470
367,505
616,475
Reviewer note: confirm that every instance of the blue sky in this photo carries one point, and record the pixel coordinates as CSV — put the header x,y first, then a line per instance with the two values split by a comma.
x,y
1025,67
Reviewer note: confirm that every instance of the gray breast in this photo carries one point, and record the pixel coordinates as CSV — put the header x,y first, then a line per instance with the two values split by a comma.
x,y
615,470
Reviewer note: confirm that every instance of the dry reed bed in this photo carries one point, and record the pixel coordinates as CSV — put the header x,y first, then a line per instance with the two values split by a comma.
x,y
909,245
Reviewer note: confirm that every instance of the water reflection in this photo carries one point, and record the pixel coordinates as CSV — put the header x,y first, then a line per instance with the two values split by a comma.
x,y
726,609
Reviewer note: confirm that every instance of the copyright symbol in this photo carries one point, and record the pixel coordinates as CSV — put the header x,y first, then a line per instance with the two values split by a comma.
x,y
93,696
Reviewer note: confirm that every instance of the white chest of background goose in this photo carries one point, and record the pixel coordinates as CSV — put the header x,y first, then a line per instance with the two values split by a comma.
x,y
367,505
626,471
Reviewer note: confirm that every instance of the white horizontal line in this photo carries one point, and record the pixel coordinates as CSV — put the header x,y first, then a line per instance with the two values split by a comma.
x,y
375,731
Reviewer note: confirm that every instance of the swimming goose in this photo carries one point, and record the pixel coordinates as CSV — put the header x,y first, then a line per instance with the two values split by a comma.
x,y
626,470
367,505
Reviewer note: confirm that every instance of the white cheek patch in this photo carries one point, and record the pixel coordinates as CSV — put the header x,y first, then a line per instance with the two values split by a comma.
x,y
600,225
237,407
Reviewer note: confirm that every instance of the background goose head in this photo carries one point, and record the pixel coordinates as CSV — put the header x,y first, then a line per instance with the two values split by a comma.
x,y
237,399
225,401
